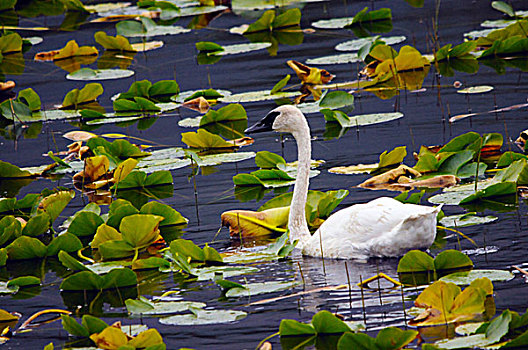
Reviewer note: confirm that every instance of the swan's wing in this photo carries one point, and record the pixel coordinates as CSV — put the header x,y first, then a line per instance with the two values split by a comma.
x,y
371,221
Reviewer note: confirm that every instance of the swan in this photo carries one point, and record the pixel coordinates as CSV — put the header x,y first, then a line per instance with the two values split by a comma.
x,y
383,227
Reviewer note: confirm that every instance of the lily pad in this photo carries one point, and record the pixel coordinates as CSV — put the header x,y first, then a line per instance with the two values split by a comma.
x,y
166,307
254,96
363,119
260,288
466,277
204,317
335,59
241,48
209,273
99,74
356,44
334,23
468,219
147,27
476,89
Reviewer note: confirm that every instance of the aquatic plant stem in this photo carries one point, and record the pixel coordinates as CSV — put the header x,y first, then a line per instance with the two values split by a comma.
x,y
478,162
266,339
349,286
458,232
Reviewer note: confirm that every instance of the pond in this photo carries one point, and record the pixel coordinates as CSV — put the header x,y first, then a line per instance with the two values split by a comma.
x,y
202,193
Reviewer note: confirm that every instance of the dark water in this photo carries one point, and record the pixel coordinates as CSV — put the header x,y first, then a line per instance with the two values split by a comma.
x,y
424,123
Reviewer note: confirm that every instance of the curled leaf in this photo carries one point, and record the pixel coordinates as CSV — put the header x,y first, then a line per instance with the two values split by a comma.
x,y
310,75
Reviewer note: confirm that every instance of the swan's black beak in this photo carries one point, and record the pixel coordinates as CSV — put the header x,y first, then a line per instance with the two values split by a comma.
x,y
265,124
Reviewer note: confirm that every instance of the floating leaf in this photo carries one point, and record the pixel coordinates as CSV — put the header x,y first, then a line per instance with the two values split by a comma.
x,y
203,317
76,97
468,219
244,223
467,277
147,27
390,338
476,89
253,96
310,75
360,120
160,307
119,42
87,280
259,288
343,58
356,44
446,304
99,74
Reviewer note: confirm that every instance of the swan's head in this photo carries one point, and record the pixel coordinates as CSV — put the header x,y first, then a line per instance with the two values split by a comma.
x,y
286,118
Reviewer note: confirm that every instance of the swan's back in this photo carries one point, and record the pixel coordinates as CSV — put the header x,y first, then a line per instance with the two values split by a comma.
x,y
382,227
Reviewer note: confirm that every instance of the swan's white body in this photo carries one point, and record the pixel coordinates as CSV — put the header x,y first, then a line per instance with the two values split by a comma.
x,y
383,227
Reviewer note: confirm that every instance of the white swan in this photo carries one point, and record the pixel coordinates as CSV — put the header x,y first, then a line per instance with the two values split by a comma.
x,y
383,227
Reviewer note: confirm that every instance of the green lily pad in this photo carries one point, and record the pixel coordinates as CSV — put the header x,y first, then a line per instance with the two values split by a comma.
x,y
204,317
34,40
209,273
253,96
99,74
147,27
356,44
209,94
470,341
260,288
468,219
476,89
166,307
190,122
87,280
241,48
363,119
466,277
5,290
334,23
343,58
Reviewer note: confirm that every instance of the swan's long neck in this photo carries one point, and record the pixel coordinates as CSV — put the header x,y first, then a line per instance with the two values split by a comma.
x,y
297,219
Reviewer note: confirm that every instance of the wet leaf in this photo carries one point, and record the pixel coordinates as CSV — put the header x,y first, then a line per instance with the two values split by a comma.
x,y
76,97
109,338
203,317
269,21
310,75
25,247
343,58
204,140
356,44
118,43
503,7
23,281
99,74
245,223
147,27
468,219
390,338
140,230
446,303
55,203
8,170
476,89
360,120
253,96
10,43
467,277
87,280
